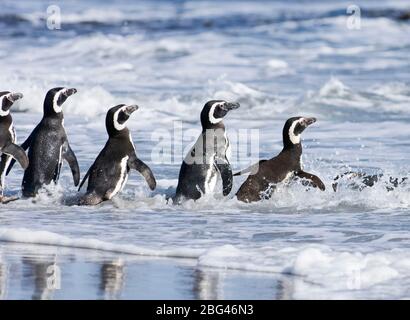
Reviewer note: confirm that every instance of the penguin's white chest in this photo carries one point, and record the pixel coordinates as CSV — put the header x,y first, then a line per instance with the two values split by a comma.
x,y
3,177
13,133
60,156
211,179
122,179
228,150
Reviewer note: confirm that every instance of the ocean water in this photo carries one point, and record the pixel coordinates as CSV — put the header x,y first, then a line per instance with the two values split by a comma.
x,y
278,59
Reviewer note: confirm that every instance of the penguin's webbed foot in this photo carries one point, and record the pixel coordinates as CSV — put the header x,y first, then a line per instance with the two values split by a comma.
x,y
6,200
90,199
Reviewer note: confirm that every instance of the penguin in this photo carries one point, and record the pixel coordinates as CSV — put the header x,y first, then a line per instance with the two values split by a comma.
x,y
361,180
208,158
8,139
264,175
109,173
48,146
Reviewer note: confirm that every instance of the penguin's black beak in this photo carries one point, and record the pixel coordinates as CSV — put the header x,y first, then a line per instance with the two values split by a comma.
x,y
70,92
228,106
306,122
13,97
131,109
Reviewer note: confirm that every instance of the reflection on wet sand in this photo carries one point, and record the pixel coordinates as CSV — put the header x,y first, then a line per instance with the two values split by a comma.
x,y
285,288
208,284
46,275
112,279
35,272
3,279
219,284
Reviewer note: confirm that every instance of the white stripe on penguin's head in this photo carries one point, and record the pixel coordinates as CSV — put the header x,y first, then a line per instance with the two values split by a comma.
x,y
4,113
7,99
211,116
294,138
56,107
118,126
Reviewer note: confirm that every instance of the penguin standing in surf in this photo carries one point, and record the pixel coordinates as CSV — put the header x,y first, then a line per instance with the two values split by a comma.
x,y
208,158
8,139
48,146
109,173
264,175
360,180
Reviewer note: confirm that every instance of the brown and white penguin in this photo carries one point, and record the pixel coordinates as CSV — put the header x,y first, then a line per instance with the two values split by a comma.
x,y
286,166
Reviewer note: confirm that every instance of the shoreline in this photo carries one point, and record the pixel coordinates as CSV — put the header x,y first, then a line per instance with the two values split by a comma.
x,y
29,271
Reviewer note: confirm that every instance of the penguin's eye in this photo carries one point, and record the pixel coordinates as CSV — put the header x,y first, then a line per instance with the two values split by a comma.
x,y
222,106
6,103
61,99
122,117
298,129
220,111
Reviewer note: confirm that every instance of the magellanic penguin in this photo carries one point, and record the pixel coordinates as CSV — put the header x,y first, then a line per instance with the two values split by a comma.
x,y
208,158
361,180
8,139
48,146
287,165
109,173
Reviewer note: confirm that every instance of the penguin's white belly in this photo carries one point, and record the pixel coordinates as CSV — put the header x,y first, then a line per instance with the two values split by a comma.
x,y
60,156
211,179
228,150
9,158
13,133
123,178
210,182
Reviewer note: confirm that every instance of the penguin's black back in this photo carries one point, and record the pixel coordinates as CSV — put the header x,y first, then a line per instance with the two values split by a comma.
x,y
106,170
44,154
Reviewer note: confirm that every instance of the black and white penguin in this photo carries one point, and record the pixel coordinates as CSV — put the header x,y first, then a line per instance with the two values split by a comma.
x,y
208,158
48,146
8,139
109,173
264,175
361,180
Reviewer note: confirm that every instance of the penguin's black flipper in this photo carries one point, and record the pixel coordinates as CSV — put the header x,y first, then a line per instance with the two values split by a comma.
x,y
6,200
17,153
313,180
141,167
226,174
70,157
25,145
86,177
253,169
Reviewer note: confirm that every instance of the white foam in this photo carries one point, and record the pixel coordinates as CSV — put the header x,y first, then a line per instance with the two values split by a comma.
x,y
22,235
348,274
334,87
277,64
